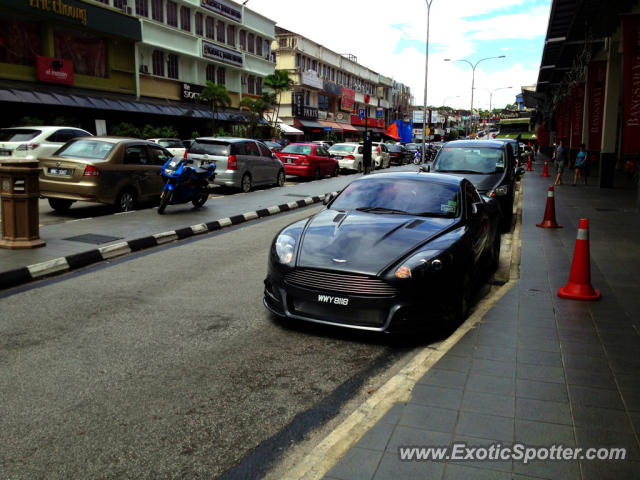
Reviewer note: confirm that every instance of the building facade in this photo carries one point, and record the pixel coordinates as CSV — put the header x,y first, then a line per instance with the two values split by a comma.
x,y
330,90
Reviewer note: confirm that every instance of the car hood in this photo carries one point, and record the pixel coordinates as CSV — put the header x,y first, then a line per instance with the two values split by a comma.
x,y
483,183
364,242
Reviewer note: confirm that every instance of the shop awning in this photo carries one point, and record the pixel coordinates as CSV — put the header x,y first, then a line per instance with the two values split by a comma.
x,y
308,124
348,127
289,130
335,127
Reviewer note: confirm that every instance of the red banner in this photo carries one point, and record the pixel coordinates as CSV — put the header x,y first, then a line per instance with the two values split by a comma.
x,y
577,112
631,85
371,122
54,70
348,99
597,78
562,121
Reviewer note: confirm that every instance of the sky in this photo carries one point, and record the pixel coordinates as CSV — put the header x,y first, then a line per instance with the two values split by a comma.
x,y
390,38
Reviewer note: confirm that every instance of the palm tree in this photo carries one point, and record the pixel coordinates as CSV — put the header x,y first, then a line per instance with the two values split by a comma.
x,y
278,82
218,96
257,107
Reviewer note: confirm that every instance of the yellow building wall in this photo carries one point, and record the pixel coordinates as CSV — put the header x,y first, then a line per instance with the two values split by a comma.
x,y
159,88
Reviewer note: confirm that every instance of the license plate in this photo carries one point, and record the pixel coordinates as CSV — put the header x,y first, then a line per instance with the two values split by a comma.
x,y
333,300
338,157
60,171
290,160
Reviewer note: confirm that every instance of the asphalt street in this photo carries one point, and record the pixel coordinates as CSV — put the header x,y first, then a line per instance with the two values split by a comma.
x,y
166,365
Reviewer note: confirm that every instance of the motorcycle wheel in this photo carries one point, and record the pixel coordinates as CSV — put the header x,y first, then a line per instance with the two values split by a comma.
x,y
165,196
200,200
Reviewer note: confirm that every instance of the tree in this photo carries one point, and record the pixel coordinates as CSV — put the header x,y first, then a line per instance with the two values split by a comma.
x,y
218,96
257,107
278,82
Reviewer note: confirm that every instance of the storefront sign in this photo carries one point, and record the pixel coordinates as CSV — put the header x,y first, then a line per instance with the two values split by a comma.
x,y
302,111
596,82
631,93
348,99
190,91
332,88
224,55
223,8
380,92
577,111
371,122
322,114
311,79
60,8
54,70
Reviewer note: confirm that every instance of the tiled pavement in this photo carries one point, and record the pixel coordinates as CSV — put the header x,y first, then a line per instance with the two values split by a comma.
x,y
537,369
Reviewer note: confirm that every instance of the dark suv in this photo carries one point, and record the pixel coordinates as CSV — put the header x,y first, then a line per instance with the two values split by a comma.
x,y
488,164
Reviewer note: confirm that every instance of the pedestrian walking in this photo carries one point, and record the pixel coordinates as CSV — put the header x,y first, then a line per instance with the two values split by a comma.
x,y
560,157
581,165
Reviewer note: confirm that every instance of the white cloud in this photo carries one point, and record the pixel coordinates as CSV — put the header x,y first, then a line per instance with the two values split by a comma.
x,y
372,29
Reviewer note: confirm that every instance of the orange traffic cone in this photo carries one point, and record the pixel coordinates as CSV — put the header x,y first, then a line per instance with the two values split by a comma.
x,y
579,286
529,166
549,220
545,172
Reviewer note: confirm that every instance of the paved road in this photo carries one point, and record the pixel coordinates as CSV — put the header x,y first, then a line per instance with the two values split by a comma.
x,y
166,365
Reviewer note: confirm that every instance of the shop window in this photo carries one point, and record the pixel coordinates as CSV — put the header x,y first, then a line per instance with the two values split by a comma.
x,y
157,12
267,49
298,59
243,40
314,66
185,19
251,85
19,42
142,8
220,31
251,43
231,35
211,72
158,63
209,28
258,86
120,5
198,23
222,77
172,14
323,102
307,97
88,54
259,46
172,66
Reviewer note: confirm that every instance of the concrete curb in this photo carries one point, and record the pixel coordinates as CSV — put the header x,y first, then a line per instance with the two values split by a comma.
x,y
57,266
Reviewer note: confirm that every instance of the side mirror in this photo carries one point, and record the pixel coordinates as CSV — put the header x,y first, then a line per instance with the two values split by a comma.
x,y
328,198
425,168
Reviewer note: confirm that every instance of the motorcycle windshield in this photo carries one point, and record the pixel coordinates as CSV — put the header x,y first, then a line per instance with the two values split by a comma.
x,y
173,166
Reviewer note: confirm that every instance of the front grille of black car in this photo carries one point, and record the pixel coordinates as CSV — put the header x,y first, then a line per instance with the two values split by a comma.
x,y
340,282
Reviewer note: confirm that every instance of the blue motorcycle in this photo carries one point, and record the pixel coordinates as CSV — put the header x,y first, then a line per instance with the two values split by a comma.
x,y
185,183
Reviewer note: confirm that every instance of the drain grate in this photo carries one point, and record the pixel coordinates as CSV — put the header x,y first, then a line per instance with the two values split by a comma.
x,y
92,238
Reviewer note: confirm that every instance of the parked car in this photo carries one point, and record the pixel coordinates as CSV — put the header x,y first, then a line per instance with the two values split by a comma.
x,y
29,143
515,148
390,252
308,160
241,163
380,155
187,143
398,154
273,146
174,145
113,170
326,144
349,155
488,164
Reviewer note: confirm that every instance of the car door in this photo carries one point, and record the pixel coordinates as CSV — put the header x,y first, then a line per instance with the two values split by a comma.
x,y
323,160
135,171
253,162
478,221
269,165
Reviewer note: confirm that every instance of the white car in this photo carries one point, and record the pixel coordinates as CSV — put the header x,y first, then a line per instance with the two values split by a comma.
x,y
29,143
349,156
380,153
174,145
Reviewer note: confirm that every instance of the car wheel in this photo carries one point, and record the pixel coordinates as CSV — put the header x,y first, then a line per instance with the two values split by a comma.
x,y
126,201
336,171
245,183
316,175
60,204
281,178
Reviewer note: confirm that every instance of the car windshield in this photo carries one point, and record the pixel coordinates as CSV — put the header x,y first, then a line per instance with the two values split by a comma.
x,y
479,160
394,148
411,147
94,149
203,147
342,148
301,149
171,143
18,134
400,196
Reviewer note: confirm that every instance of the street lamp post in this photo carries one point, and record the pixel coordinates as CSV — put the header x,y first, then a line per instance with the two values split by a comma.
x,y
491,92
473,76
426,83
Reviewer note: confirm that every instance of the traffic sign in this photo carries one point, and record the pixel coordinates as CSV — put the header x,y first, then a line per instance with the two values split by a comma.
x,y
361,113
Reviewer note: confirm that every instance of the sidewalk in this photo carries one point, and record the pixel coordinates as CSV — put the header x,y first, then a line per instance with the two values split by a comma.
x,y
536,369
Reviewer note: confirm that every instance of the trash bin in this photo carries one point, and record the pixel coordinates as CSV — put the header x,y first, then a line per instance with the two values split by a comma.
x,y
19,195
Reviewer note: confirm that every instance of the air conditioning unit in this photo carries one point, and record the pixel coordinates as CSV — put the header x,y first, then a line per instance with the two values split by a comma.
x,y
144,68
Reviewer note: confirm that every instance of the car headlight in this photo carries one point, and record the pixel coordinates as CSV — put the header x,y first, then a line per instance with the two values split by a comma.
x,y
285,247
422,262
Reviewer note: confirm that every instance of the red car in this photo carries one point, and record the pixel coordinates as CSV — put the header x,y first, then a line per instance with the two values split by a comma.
x,y
308,160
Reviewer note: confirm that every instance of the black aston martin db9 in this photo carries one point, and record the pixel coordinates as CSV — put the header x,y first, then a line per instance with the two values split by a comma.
x,y
390,252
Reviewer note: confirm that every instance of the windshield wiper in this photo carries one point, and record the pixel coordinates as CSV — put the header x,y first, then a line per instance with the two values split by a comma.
x,y
381,210
460,171
433,214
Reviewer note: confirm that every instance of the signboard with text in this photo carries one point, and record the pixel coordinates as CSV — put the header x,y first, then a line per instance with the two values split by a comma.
x,y
596,78
348,99
371,122
54,70
226,9
631,92
302,111
190,91
221,54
